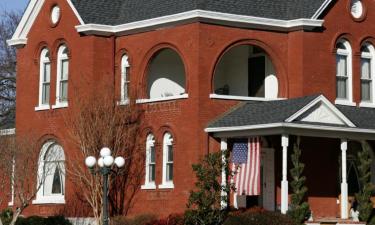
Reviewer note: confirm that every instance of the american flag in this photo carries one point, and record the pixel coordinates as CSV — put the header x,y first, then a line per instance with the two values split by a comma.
x,y
246,164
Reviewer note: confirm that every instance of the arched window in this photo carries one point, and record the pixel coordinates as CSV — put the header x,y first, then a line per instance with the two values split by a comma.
x,y
150,169
125,79
343,72
44,80
367,74
62,77
245,72
51,175
167,181
166,76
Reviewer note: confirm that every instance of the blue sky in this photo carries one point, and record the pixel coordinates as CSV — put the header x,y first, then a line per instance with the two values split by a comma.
x,y
13,4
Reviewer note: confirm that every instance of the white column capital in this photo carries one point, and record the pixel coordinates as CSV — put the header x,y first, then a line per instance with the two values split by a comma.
x,y
344,144
285,140
224,144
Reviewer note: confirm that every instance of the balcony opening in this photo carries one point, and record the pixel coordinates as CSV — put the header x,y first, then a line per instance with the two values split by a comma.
x,y
166,75
246,71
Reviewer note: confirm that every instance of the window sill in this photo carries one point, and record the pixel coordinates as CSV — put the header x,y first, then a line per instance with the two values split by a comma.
x,y
49,200
344,102
166,186
123,102
142,101
60,105
367,104
42,107
242,98
150,186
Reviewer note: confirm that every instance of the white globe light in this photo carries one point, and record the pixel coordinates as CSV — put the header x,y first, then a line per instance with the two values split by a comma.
x,y
90,161
120,162
101,162
105,152
108,161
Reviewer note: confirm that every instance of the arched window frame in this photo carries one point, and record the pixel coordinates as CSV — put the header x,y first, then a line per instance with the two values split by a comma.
x,y
44,80
347,53
62,77
125,81
42,180
168,162
150,165
370,58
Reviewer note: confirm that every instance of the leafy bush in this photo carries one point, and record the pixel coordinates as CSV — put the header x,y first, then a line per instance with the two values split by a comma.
x,y
174,219
6,216
37,220
137,220
258,218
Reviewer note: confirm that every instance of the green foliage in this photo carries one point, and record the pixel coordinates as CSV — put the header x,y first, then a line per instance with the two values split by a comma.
x,y
259,218
204,205
137,220
6,216
37,220
364,173
299,209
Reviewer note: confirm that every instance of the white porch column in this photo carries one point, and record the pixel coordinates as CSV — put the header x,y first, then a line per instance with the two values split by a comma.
x,y
344,183
223,147
284,182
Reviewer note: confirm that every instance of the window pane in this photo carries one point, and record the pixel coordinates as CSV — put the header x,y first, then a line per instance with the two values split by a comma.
x,y
64,91
152,172
45,93
169,171
365,68
152,154
47,73
56,185
64,69
341,61
366,90
170,153
126,90
341,87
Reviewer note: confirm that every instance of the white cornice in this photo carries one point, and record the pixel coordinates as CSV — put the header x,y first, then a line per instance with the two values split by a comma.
x,y
204,16
7,132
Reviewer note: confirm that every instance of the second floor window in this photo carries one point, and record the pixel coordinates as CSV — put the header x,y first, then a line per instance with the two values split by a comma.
x,y
150,170
168,161
124,78
343,71
45,78
367,61
62,75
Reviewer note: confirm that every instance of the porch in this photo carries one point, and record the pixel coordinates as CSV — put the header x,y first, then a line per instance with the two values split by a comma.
x,y
330,136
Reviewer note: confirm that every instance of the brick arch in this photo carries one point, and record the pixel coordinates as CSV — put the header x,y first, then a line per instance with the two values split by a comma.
x,y
367,39
142,86
57,44
39,48
167,129
343,36
275,59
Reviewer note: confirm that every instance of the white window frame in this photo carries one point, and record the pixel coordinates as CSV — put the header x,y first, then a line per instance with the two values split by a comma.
x,y
125,81
62,55
369,55
150,142
44,59
167,141
53,198
347,52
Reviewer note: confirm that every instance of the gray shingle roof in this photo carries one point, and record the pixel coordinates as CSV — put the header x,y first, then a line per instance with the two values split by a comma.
x,y
258,113
115,12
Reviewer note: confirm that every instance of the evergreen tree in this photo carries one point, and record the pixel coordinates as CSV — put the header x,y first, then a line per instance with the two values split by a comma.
x,y
300,209
364,195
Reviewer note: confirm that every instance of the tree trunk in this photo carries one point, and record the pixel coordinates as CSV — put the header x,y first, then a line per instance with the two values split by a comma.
x,y
15,216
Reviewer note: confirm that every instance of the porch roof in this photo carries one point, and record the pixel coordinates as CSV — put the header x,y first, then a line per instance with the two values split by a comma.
x,y
310,116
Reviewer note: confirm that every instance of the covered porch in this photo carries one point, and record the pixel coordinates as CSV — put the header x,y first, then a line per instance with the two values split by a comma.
x,y
330,137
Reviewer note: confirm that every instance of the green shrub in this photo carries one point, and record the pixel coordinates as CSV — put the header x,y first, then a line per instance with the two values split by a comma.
x,y
6,216
174,219
258,218
137,220
37,220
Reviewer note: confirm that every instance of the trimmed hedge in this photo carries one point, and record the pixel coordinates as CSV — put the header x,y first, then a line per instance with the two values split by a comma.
x,y
137,220
258,218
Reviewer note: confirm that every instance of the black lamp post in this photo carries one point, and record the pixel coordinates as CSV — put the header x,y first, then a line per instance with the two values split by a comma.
x,y
105,162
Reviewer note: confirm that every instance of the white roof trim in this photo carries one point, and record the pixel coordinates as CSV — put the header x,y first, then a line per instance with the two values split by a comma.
x,y
202,15
326,102
6,132
322,8
19,37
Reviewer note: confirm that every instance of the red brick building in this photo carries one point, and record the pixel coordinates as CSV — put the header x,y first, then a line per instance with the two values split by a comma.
x,y
291,68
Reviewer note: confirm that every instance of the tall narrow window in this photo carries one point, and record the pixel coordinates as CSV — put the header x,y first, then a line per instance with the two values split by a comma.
x,y
343,72
44,80
150,169
62,77
168,162
367,74
51,175
124,79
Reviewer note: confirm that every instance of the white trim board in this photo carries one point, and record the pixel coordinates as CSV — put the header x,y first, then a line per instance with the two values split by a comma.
x,y
19,37
321,9
6,132
202,16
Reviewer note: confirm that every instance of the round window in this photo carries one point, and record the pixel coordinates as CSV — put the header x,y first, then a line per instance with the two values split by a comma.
x,y
55,14
356,8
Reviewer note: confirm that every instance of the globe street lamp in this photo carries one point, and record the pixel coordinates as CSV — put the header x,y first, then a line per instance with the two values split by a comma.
x,y
105,162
